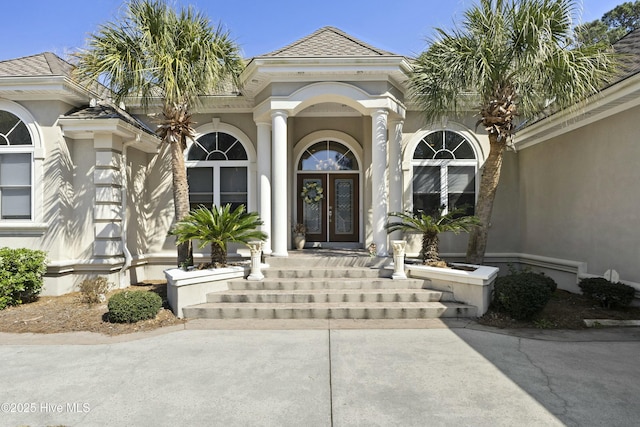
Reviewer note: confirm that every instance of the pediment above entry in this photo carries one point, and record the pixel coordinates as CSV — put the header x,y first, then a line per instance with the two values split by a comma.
x,y
330,93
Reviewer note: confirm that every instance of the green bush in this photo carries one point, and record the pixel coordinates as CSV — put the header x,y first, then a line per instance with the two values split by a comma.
x,y
606,293
133,306
21,275
522,295
94,290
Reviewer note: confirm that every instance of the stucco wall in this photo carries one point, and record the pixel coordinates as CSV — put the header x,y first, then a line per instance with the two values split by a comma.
x,y
578,196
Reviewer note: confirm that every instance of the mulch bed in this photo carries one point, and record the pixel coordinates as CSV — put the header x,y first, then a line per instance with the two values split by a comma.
x,y
68,313
565,310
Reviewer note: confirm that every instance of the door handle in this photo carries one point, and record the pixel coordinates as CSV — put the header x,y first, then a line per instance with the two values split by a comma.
x,y
330,213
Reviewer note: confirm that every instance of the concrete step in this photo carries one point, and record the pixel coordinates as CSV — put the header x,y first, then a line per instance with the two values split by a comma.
x,y
324,272
330,296
302,284
355,310
332,259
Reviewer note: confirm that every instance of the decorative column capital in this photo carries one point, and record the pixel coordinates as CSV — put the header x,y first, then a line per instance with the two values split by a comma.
x,y
279,113
397,122
380,112
255,247
399,247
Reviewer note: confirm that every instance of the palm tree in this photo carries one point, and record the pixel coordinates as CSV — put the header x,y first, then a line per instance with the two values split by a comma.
x,y
508,58
154,52
431,226
218,227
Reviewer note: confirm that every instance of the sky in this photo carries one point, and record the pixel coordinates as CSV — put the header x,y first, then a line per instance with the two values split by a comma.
x,y
30,27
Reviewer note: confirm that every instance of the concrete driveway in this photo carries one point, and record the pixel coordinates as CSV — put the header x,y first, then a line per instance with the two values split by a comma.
x,y
274,374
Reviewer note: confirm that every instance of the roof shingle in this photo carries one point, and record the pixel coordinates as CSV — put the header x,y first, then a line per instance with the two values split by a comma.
x,y
328,42
629,47
43,64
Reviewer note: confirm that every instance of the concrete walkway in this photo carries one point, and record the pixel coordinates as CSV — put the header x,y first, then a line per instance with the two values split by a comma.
x,y
347,373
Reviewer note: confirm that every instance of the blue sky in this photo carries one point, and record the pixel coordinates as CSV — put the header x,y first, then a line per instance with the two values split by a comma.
x,y
259,26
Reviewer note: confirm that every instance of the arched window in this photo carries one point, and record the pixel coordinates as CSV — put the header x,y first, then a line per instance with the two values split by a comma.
x,y
16,168
444,173
328,156
217,171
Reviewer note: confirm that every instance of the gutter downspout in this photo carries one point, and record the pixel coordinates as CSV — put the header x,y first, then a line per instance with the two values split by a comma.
x,y
128,258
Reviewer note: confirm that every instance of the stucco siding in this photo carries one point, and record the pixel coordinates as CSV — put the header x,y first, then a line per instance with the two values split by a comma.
x,y
578,196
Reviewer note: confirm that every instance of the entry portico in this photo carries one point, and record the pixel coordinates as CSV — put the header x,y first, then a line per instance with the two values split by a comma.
x,y
306,95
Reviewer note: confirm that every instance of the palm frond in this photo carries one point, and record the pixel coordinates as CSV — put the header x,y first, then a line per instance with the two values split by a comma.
x,y
505,48
152,51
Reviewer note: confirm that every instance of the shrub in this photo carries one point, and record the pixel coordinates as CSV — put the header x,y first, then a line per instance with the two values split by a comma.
x,y
21,275
133,306
523,295
606,293
93,290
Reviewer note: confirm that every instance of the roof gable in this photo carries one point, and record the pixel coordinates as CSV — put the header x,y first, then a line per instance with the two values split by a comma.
x,y
43,64
328,42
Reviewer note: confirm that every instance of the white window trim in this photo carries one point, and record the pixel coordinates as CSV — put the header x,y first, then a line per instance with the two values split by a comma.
x,y
35,223
250,163
409,163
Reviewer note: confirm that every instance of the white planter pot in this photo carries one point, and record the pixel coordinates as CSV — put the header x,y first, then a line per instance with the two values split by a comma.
x,y
299,240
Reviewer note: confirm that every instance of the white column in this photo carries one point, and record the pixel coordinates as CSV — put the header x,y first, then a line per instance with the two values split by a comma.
x,y
379,182
264,182
395,172
279,231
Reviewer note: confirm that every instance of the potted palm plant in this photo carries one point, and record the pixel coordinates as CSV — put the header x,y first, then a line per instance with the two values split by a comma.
x,y
430,226
218,227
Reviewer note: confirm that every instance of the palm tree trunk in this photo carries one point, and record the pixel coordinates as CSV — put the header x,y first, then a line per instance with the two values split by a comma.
x,y
218,255
180,194
430,253
488,185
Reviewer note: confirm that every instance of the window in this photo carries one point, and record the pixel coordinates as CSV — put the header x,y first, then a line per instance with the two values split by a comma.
x,y
16,162
444,173
217,171
328,156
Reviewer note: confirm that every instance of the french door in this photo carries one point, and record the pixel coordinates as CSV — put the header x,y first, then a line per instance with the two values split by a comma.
x,y
328,205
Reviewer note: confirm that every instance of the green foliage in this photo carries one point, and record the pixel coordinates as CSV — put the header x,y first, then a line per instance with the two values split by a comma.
x,y
217,227
133,306
606,293
21,275
520,50
94,290
155,51
430,226
522,295
612,26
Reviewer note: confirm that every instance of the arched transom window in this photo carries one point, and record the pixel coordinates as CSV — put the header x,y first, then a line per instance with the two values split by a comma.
x,y
16,160
444,171
328,156
217,171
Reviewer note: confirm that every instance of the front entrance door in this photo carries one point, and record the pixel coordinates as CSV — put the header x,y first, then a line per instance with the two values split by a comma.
x,y
328,206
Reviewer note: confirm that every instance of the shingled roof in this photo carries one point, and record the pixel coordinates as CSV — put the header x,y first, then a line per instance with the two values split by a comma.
x,y
42,64
629,47
104,110
328,42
